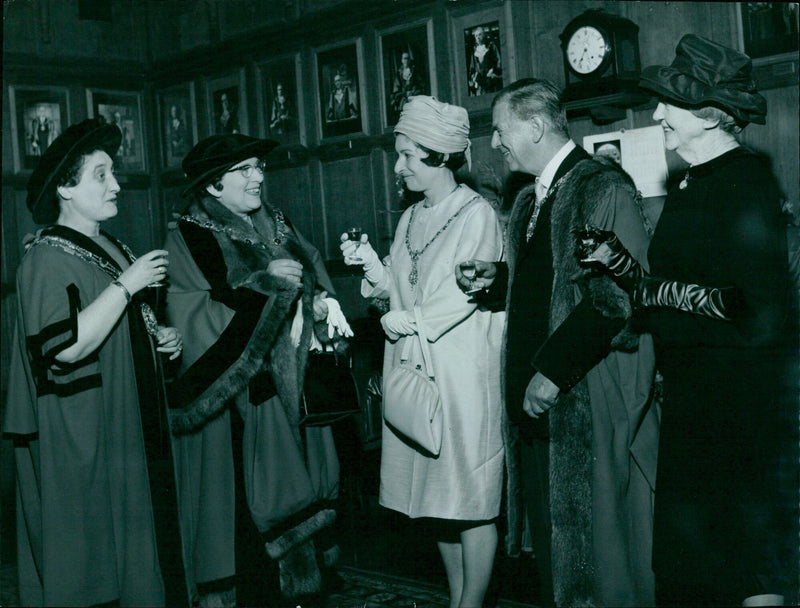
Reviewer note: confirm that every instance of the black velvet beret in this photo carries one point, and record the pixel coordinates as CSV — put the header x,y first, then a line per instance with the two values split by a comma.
x,y
216,154
59,157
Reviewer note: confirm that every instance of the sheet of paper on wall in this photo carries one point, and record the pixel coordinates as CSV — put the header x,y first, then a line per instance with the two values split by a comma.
x,y
639,151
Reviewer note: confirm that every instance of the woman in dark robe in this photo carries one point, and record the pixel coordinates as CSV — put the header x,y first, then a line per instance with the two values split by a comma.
x,y
86,404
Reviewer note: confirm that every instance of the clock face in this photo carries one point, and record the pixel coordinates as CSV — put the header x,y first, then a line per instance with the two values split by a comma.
x,y
586,49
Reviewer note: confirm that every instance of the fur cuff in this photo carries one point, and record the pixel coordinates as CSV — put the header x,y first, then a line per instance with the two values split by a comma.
x,y
301,533
236,378
299,571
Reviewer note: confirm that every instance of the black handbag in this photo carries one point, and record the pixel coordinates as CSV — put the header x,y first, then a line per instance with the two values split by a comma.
x,y
329,392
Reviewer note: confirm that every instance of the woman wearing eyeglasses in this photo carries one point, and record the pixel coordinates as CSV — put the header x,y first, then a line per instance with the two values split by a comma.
x,y
247,290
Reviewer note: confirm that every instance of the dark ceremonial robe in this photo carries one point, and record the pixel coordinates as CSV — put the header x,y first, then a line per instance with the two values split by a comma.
x,y
238,354
85,520
726,507
562,321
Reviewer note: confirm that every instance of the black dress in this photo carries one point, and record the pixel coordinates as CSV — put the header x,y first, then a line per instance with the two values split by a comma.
x,y
726,491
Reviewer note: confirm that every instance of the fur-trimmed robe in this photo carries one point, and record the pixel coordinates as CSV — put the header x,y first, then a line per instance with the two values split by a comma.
x,y
238,352
603,433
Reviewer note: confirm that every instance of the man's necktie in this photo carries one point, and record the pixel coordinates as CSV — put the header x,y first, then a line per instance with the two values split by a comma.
x,y
540,191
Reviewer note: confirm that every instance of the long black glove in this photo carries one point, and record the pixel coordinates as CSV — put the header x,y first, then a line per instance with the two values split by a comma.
x,y
602,248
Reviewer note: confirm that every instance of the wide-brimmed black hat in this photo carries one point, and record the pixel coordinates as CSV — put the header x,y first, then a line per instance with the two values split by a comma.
x,y
706,73
59,157
216,154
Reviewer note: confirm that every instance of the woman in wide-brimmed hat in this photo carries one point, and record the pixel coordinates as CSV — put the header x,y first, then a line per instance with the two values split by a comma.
x,y
457,491
84,378
716,303
246,289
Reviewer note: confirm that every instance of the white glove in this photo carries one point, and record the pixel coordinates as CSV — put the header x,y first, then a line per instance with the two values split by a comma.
x,y
364,256
336,319
398,323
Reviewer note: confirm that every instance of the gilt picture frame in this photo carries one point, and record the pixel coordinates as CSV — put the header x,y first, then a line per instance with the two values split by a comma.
x,y
280,96
226,104
407,67
481,43
177,112
39,114
340,90
124,109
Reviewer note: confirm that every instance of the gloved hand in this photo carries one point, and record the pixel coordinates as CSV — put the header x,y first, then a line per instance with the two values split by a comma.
x,y
398,323
719,303
603,248
336,319
362,254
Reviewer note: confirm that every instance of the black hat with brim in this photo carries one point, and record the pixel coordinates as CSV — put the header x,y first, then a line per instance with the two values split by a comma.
x,y
218,153
706,73
57,159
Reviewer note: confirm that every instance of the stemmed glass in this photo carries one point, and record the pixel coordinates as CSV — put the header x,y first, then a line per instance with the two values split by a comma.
x,y
470,272
158,283
354,234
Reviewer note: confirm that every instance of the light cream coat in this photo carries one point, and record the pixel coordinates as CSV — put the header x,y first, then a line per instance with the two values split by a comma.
x,y
464,482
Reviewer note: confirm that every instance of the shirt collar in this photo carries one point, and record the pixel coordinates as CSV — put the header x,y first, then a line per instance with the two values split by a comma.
x,y
546,178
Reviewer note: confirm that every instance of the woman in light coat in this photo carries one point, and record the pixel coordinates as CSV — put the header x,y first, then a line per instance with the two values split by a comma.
x,y
458,491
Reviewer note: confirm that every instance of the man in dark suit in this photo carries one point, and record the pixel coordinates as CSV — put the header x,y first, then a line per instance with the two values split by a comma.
x,y
587,467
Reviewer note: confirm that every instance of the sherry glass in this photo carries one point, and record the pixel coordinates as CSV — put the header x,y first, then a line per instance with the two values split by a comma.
x,y
354,234
470,272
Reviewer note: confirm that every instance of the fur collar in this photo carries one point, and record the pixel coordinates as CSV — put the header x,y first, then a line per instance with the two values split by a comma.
x,y
247,251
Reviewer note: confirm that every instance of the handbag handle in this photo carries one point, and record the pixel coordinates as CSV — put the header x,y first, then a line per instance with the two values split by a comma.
x,y
426,353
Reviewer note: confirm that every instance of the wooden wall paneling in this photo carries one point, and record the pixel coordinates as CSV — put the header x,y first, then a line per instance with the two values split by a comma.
x,y
134,223
171,205
489,170
8,147
52,28
548,20
291,190
11,250
779,139
24,222
349,191
388,209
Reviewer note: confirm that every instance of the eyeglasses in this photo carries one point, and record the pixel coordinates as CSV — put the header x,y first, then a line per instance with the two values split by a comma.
x,y
247,170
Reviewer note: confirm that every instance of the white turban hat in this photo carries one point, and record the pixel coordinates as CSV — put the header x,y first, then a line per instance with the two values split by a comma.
x,y
438,126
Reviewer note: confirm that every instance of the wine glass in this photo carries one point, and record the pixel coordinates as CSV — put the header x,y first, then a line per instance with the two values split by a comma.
x,y
158,283
470,272
354,234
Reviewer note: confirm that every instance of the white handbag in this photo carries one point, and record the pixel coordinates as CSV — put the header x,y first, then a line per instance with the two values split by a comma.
x,y
411,404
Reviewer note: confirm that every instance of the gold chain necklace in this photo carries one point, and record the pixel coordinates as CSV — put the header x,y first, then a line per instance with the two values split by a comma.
x,y
414,254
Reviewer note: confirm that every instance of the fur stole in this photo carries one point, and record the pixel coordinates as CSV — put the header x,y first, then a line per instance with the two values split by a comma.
x,y
247,251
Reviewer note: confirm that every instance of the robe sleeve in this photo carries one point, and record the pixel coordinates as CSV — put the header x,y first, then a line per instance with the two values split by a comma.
x,y
585,336
53,287
215,319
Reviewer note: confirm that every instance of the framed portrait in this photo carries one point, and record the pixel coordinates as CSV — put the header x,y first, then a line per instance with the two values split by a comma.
x,y
124,109
226,104
769,35
38,116
407,67
339,85
280,96
770,28
177,115
480,42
